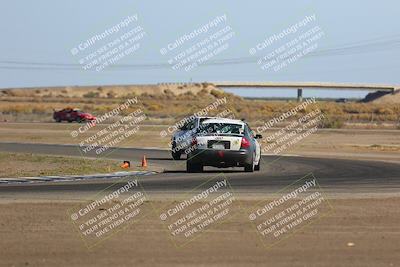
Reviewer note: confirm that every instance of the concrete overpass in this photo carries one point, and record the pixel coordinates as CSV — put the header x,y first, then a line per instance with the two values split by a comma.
x,y
315,85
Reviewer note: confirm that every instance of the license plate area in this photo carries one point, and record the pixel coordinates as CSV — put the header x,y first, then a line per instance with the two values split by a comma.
x,y
215,144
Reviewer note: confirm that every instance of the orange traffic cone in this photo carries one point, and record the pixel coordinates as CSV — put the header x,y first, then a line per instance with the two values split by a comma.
x,y
144,162
126,165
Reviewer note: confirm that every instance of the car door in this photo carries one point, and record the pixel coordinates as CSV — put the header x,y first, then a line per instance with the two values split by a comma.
x,y
74,115
67,114
64,114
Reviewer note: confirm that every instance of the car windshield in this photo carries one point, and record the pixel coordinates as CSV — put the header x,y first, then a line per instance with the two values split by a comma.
x,y
222,128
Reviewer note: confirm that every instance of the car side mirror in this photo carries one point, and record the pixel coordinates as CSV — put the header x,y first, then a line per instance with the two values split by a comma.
x,y
258,136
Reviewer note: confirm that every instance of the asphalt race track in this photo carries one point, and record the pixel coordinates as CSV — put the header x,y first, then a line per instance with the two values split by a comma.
x,y
334,175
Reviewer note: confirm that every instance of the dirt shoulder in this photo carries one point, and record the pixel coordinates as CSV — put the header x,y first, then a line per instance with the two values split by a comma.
x,y
359,232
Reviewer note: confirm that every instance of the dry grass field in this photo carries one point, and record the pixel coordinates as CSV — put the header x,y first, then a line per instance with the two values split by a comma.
x,y
25,164
167,103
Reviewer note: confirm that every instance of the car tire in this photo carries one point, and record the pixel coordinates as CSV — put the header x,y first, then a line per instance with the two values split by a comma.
x,y
177,154
58,120
193,167
249,167
257,167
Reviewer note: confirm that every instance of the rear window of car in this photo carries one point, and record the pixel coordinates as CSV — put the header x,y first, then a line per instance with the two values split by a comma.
x,y
223,128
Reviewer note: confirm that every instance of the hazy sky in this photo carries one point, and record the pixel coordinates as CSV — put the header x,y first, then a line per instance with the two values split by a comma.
x,y
361,41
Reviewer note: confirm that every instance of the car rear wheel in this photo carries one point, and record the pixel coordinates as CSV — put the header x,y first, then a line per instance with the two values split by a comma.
x,y
257,167
250,167
193,167
176,154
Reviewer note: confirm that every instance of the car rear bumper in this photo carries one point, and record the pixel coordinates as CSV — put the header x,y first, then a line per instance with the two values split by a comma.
x,y
221,158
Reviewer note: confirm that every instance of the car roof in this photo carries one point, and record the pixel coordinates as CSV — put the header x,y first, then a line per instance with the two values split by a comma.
x,y
205,117
224,120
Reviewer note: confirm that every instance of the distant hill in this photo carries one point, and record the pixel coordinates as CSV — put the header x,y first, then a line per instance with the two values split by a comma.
x,y
113,91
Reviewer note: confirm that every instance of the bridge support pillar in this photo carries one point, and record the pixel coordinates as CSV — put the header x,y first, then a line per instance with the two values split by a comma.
x,y
300,95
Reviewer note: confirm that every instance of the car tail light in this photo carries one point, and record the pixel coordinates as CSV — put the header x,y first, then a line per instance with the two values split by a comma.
x,y
194,142
245,143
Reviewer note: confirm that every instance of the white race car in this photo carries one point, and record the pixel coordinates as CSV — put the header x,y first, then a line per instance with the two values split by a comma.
x,y
224,143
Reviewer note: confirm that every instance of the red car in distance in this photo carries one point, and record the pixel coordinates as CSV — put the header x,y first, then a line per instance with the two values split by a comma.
x,y
70,115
